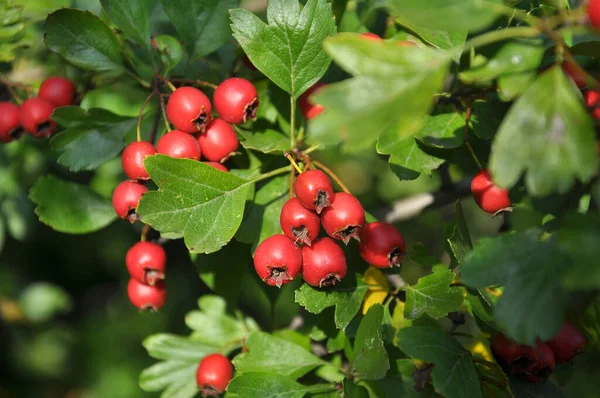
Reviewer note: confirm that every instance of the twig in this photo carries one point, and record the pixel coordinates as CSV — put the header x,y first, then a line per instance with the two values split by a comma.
x,y
139,122
145,230
201,83
165,80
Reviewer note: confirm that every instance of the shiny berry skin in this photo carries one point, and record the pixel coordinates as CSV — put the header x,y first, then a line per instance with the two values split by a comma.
x,y
277,260
567,343
133,159
593,10
146,297
298,223
309,109
146,262
59,91
544,366
314,190
236,100
491,198
371,36
9,122
381,245
125,199
592,100
514,357
189,110
177,144
214,374
34,115
345,218
219,141
217,166
323,263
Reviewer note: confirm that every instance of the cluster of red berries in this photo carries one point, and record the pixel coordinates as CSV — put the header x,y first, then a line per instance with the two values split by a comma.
x,y
213,375
320,260
536,363
33,115
146,266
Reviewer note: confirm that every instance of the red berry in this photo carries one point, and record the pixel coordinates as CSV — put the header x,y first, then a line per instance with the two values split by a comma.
x,y
146,262
314,190
593,10
277,260
125,199
133,159
299,223
236,100
491,198
574,74
146,297
179,145
214,374
567,343
323,263
217,166
309,109
219,141
59,91
345,217
371,36
544,365
35,114
514,357
381,245
592,100
189,110
9,122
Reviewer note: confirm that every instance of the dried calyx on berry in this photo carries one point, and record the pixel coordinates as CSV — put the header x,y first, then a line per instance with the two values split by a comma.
x,y
189,110
236,100
314,190
299,223
324,263
146,262
345,218
277,260
381,245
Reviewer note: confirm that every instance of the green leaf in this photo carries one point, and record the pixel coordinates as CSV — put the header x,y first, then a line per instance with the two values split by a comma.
x,y
410,158
176,378
450,42
166,346
346,297
268,385
69,207
201,24
266,141
288,48
486,118
446,130
454,373
275,356
533,303
132,17
370,357
352,390
459,238
170,51
433,295
194,201
579,238
83,39
41,301
559,144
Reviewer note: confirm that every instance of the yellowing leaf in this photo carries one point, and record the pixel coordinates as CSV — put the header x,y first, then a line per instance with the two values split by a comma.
x,y
479,348
375,294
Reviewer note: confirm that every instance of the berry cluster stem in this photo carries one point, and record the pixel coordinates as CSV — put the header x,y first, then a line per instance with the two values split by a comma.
x,y
166,81
145,231
292,122
200,83
293,162
331,174
139,122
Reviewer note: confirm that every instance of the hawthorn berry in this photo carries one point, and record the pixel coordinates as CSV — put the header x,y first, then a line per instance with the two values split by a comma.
x,y
314,190
34,115
9,122
323,263
277,260
593,10
146,262
298,223
59,91
309,109
189,110
214,374
219,141
126,197
133,159
491,198
345,218
544,365
371,36
574,74
567,343
217,166
514,357
236,100
381,245
592,100
179,145
147,297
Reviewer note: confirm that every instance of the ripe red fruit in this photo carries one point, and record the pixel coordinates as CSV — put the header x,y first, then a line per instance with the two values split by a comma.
x,y
125,198
34,115
217,166
592,100
179,145
381,245
574,74
219,141
9,122
491,198
146,297
567,343
214,374
59,91
277,260
593,10
133,159
514,357
345,218
544,365
323,263
314,190
146,262
298,223
236,100
371,36
309,109
189,110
